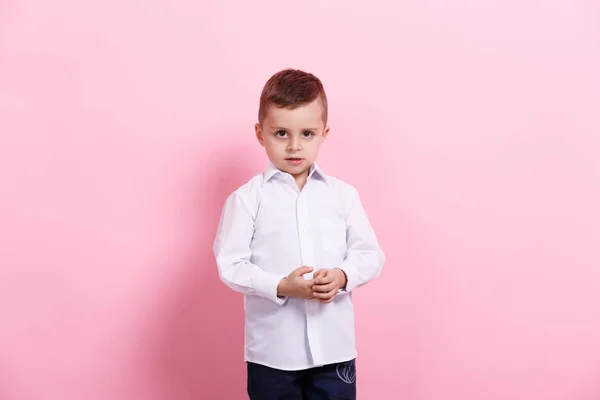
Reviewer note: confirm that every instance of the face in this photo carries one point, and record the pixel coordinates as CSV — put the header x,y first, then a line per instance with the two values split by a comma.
x,y
292,138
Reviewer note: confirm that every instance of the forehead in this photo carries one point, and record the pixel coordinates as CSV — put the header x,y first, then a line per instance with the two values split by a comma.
x,y
304,116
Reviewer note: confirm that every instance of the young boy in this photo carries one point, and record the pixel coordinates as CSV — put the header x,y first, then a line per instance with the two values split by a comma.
x,y
296,243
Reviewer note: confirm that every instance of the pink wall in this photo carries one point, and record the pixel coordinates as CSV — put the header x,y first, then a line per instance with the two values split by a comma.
x,y
125,124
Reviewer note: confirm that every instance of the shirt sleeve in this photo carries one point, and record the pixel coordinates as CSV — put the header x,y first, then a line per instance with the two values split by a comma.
x,y
364,258
232,252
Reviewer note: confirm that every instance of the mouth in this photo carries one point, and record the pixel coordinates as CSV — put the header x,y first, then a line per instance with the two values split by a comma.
x,y
294,160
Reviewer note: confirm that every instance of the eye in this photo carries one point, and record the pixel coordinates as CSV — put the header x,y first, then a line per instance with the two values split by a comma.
x,y
308,134
281,134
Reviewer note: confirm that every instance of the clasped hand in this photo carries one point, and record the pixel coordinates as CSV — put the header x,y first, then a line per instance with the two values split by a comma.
x,y
323,287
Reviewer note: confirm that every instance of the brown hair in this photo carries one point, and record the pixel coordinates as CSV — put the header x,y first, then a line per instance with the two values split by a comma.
x,y
291,88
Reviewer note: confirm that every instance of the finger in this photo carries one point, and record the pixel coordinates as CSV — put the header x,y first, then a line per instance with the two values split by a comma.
x,y
323,288
320,272
308,294
302,270
326,300
324,296
325,280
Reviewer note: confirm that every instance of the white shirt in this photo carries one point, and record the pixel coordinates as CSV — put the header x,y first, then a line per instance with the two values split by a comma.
x,y
268,228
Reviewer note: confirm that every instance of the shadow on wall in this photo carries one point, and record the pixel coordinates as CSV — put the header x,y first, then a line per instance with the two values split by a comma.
x,y
201,346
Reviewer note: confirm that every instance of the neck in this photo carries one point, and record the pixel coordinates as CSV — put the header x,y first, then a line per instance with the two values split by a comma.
x,y
301,179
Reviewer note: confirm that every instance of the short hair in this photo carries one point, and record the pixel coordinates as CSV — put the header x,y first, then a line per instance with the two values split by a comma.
x,y
291,88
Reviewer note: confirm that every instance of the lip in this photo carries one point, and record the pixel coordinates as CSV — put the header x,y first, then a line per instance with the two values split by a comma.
x,y
294,160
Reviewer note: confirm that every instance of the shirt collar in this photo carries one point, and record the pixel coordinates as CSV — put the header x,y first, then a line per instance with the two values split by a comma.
x,y
272,170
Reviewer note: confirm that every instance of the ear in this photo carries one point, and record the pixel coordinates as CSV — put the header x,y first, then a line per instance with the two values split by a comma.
x,y
259,134
325,133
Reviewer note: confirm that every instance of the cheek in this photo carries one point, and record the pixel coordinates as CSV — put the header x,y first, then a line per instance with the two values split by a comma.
x,y
314,147
274,145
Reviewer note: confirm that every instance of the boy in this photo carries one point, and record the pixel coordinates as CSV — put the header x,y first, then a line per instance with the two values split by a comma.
x,y
296,243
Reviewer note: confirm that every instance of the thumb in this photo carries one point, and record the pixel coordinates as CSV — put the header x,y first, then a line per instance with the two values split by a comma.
x,y
303,270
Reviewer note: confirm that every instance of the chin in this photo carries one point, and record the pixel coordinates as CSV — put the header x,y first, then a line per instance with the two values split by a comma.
x,y
294,170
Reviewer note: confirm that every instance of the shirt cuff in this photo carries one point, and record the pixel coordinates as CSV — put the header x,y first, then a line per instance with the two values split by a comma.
x,y
266,286
351,278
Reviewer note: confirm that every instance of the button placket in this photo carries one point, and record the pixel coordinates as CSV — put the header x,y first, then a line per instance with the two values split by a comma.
x,y
305,232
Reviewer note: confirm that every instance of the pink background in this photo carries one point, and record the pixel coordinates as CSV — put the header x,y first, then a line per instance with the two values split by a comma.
x,y
125,124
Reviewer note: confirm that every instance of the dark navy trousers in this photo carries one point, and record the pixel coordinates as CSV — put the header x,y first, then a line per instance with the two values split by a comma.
x,y
330,382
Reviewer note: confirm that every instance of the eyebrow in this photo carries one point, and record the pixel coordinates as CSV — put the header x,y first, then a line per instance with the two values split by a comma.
x,y
286,129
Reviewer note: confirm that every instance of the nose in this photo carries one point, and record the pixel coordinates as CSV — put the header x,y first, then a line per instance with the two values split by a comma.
x,y
294,144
